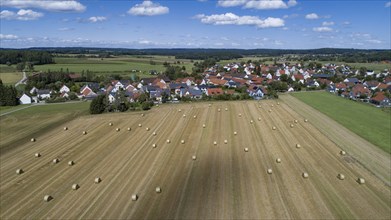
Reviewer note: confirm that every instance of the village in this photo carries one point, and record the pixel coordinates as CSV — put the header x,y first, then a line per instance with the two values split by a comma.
x,y
237,81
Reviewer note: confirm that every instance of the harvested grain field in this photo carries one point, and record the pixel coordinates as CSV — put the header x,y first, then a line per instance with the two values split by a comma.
x,y
227,180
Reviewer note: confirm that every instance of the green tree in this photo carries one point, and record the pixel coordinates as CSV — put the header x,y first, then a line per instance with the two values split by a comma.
x,y
98,105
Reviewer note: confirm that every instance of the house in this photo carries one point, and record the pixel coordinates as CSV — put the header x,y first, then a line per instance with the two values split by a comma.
x,y
25,99
64,89
359,91
214,91
255,92
352,80
192,93
380,99
43,94
33,90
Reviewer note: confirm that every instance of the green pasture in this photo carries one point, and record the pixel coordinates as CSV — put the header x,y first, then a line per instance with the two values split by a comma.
x,y
367,121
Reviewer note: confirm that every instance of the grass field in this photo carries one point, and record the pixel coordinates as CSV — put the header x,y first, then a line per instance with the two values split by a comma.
x,y
224,182
365,120
18,127
123,65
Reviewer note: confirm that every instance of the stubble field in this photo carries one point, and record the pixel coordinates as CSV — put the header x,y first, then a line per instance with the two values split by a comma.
x,y
224,182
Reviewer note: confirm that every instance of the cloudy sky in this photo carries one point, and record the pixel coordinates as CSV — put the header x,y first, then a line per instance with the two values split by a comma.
x,y
289,24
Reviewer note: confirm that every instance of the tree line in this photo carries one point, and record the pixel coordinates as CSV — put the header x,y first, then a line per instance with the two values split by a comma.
x,y
8,95
10,57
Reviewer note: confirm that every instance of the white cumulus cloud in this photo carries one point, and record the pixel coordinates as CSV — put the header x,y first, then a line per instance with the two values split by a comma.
x,y
95,19
148,8
327,23
258,4
50,5
374,41
22,14
388,4
322,29
8,37
233,19
312,16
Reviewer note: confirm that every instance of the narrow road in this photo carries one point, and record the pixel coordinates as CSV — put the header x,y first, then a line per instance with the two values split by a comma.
x,y
23,80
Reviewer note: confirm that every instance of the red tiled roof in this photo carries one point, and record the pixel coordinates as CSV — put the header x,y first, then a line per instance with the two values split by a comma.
x,y
379,97
215,91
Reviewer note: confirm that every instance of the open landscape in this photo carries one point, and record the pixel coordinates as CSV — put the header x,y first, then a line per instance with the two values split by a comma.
x,y
229,179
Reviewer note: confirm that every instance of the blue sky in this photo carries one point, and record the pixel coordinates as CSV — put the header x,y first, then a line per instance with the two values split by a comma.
x,y
247,24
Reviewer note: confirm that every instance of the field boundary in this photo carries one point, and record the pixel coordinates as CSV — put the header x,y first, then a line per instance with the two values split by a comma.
x,y
370,156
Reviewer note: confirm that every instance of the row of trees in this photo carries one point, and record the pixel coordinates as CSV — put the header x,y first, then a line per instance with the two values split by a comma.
x,y
8,95
101,104
22,56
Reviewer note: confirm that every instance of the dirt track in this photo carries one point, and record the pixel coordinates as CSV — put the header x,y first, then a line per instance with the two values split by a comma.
x,y
225,182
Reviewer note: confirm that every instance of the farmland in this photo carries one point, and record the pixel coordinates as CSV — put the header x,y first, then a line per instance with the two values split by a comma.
x,y
368,122
122,64
223,182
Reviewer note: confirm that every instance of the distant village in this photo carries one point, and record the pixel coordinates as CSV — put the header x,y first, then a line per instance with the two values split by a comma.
x,y
238,81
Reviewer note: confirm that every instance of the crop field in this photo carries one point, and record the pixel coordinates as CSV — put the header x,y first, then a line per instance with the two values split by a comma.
x,y
235,144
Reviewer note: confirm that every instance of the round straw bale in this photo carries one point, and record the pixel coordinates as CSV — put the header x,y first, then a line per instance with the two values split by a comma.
x,y
75,186
142,114
97,180
84,132
194,157
117,129
298,145
251,121
341,176
168,141
361,180
33,140
270,110
47,198
56,160
305,120
225,141
218,110
296,121
215,142
184,115
259,106
154,145
210,105
226,109
195,116
37,155
246,149
182,141
305,175
269,171
154,133
278,103
240,115
65,128
70,163
278,160
147,129
158,190
19,171
110,124
342,152
129,129
139,125
235,133
179,110
259,119
134,197
291,125
272,105
203,125
274,128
